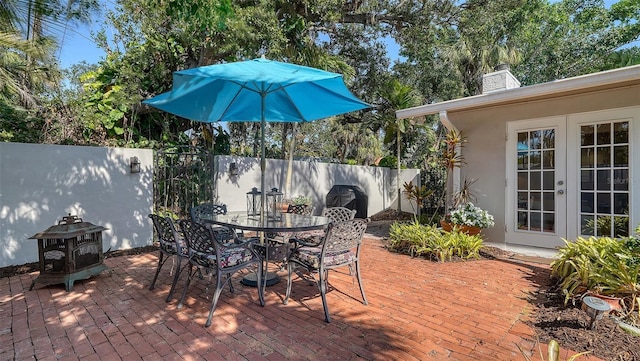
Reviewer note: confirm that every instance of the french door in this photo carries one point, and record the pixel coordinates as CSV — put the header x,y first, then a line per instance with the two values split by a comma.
x,y
568,177
536,208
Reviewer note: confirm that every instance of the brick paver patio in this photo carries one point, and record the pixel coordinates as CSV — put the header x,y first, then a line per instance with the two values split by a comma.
x,y
418,310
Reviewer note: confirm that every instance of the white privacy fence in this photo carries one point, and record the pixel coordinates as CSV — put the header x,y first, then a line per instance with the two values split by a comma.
x,y
39,184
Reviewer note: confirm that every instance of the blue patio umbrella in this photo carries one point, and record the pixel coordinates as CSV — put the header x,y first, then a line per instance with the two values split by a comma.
x,y
257,90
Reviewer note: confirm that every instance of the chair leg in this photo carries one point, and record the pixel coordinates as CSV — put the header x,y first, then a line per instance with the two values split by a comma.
x,y
322,283
230,283
186,286
290,267
175,279
161,261
214,302
364,298
260,289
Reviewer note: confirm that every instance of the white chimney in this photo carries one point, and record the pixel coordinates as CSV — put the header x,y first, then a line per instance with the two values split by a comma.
x,y
501,79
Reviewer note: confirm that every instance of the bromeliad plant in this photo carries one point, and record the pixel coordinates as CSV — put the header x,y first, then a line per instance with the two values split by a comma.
x,y
602,265
420,240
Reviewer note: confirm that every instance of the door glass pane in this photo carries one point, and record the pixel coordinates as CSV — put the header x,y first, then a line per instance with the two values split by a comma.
x,y
604,133
535,161
548,180
586,202
536,221
535,140
523,160
523,200
621,132
587,225
523,141
523,180
604,180
605,213
586,135
620,179
586,180
604,157
621,226
549,139
548,222
548,201
534,180
523,221
604,203
548,159
535,201
586,157
621,156
620,203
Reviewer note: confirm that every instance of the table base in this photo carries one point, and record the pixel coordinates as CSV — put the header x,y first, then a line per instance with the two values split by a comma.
x,y
252,279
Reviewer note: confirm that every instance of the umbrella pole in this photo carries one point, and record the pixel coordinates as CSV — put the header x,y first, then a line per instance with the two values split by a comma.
x,y
263,192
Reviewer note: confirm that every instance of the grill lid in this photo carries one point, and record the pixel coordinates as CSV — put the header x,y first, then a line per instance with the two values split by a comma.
x,y
69,227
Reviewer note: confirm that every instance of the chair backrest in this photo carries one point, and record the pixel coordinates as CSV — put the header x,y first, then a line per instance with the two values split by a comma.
x,y
303,209
198,236
206,209
344,236
339,214
169,238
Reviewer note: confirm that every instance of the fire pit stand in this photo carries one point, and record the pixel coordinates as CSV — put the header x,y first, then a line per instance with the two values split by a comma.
x,y
69,251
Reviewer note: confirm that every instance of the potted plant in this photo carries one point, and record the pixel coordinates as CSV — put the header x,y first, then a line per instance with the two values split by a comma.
x,y
467,218
299,200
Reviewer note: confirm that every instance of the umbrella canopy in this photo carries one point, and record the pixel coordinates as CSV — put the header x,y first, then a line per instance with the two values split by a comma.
x,y
257,90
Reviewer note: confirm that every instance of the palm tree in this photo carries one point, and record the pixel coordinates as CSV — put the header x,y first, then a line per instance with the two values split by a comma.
x,y
395,96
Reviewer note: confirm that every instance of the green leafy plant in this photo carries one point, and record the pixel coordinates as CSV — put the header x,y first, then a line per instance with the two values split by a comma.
x,y
602,265
301,200
420,240
553,352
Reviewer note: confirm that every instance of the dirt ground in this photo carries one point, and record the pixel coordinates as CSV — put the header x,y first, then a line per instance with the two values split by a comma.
x,y
552,320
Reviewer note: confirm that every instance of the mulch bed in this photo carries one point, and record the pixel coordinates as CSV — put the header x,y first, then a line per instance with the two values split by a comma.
x,y
552,320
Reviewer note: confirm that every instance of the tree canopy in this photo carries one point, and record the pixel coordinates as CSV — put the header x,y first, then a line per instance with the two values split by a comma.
x,y
444,48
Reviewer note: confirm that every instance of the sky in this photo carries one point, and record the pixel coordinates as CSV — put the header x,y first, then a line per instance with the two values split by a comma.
x,y
77,45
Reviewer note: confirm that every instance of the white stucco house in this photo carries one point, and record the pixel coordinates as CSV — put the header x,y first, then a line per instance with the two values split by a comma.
x,y
553,161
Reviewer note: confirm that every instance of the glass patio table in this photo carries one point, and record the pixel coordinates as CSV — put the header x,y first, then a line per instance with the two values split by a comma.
x,y
269,250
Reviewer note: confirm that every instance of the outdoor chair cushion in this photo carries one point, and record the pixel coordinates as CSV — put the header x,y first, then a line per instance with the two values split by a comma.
x,y
230,257
311,257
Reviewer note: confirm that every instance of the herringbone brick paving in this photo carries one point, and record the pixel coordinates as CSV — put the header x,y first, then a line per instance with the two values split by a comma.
x,y
418,310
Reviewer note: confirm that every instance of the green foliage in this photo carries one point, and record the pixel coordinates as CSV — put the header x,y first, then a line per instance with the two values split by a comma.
x,y
301,200
429,241
603,265
553,352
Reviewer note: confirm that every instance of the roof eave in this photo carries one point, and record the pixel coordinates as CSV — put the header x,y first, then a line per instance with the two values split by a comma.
x,y
546,90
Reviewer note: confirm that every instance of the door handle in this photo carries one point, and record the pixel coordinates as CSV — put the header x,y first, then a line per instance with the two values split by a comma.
x,y
561,191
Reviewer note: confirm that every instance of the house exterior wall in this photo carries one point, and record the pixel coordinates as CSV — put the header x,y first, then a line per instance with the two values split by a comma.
x,y
39,184
485,130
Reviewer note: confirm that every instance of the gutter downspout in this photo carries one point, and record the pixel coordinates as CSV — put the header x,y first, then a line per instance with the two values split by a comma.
x,y
455,176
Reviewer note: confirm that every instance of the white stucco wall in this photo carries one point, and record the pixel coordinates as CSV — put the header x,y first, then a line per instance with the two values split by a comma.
x,y
39,184
312,179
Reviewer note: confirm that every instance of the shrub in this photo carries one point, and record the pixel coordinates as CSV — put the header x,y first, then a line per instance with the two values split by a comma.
x,y
428,241
604,265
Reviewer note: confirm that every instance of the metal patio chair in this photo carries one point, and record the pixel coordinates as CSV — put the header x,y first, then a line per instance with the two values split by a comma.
x,y
209,254
172,245
202,212
340,247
